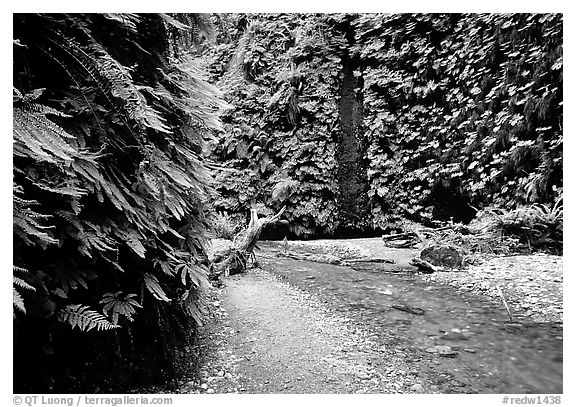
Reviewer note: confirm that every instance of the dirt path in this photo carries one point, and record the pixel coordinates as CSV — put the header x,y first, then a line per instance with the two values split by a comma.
x,y
304,327
279,339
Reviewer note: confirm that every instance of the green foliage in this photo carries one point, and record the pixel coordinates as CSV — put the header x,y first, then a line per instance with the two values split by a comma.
x,y
81,316
469,102
535,226
119,304
110,188
19,283
467,106
282,84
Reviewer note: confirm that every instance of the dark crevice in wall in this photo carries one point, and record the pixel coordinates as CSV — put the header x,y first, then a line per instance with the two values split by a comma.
x,y
351,174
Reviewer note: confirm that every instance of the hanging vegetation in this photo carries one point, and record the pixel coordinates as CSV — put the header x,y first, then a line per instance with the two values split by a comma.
x,y
109,193
457,110
281,76
461,109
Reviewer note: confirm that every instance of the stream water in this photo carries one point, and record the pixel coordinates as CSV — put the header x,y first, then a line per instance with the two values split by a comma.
x,y
487,353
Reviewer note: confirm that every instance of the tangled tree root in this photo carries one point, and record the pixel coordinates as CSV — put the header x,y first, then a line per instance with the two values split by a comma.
x,y
234,260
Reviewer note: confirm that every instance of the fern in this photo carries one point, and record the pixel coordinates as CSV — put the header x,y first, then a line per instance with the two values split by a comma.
x,y
70,279
192,304
17,282
81,316
38,137
153,286
17,300
119,304
108,168
194,273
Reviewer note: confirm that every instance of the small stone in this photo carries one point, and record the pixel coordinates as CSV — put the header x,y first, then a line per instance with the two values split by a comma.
x,y
228,376
362,375
469,350
221,373
210,391
417,388
204,386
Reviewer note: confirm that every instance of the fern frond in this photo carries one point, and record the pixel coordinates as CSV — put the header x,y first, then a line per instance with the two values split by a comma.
x,y
153,286
39,138
114,81
70,279
127,20
81,316
119,304
22,284
18,301
191,303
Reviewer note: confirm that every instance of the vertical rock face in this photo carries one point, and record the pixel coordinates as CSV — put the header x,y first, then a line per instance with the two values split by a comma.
x,y
352,180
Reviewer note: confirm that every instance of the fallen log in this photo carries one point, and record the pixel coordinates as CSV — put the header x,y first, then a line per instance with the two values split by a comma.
x,y
234,260
399,236
423,265
373,260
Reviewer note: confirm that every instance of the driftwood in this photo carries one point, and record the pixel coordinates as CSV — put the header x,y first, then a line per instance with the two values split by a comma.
x,y
372,260
403,240
412,237
424,265
408,309
398,236
234,260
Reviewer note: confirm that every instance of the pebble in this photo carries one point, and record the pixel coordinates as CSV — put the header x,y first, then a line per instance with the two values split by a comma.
x,y
228,376
418,388
210,391
362,375
204,386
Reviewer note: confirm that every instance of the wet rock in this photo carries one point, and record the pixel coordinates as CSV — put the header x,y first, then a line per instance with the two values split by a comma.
x,y
446,352
442,255
455,336
362,375
418,388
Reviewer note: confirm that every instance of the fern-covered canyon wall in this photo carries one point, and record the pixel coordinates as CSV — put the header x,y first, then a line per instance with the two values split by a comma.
x,y
110,221
362,121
